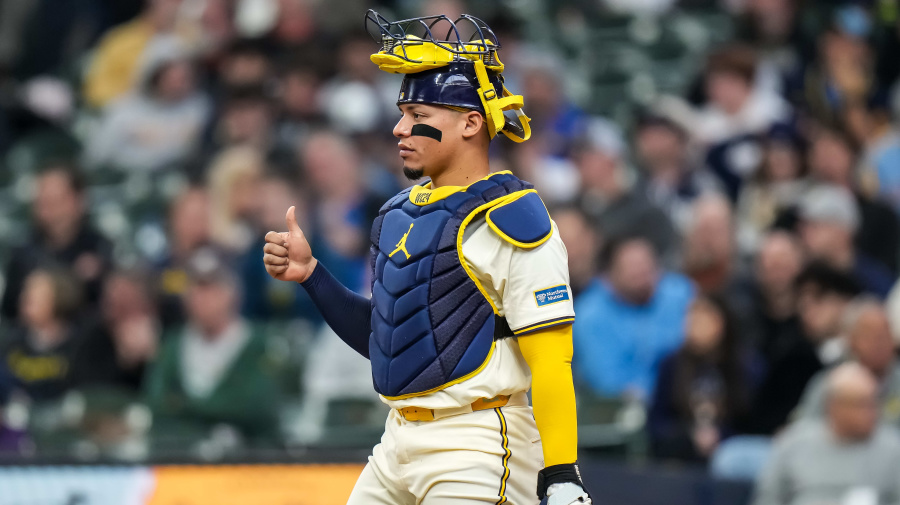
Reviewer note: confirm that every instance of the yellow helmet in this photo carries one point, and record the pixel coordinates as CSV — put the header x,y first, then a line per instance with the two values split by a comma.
x,y
460,69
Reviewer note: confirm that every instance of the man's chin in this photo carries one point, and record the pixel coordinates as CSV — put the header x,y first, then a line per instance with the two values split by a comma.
x,y
413,174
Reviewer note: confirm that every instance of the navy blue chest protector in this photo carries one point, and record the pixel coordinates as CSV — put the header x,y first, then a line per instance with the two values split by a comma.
x,y
431,326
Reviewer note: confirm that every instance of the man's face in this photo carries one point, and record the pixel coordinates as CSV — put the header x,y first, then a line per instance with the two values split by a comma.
x,y
246,121
176,81
659,147
824,239
728,91
871,342
425,156
831,160
56,205
778,263
854,412
581,244
190,220
634,273
820,312
37,299
209,304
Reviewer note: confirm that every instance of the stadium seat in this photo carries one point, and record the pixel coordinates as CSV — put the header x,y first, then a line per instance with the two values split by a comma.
x,y
611,425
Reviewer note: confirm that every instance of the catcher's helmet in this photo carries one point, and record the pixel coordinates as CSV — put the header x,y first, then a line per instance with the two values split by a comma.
x,y
455,71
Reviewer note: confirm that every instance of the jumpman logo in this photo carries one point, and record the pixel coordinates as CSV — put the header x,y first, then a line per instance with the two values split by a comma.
x,y
401,246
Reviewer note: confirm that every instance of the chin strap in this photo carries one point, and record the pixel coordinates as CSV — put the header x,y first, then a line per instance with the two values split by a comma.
x,y
495,105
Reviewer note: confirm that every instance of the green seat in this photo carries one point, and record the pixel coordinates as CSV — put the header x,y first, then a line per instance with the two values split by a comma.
x,y
611,425
40,148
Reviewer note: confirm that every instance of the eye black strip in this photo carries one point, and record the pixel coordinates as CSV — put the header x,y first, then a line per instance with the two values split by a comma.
x,y
424,130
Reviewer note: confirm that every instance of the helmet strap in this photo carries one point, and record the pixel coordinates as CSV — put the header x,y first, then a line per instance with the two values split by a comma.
x,y
495,105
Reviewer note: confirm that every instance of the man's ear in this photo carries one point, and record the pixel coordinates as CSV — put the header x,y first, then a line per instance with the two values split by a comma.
x,y
474,122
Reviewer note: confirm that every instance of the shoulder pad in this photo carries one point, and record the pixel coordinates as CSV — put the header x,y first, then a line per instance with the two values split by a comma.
x,y
522,221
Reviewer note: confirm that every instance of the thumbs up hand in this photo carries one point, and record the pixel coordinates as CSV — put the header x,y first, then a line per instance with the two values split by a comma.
x,y
287,254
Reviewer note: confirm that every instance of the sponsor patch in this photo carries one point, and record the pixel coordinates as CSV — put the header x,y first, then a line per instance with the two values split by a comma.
x,y
551,295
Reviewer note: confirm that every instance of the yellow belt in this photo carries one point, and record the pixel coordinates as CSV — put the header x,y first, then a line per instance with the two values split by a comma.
x,y
419,414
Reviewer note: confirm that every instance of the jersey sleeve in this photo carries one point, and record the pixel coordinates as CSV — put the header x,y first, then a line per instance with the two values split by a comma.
x,y
529,287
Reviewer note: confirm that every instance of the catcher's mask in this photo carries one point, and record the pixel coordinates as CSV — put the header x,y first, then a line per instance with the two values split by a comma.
x,y
459,70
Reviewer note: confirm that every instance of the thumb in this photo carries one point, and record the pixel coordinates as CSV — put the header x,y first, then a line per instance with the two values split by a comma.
x,y
291,219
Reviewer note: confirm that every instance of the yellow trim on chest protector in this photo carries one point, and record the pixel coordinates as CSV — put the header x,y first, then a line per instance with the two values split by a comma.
x,y
423,195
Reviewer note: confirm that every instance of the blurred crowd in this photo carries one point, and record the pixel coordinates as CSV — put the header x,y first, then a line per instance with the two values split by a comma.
x,y
725,176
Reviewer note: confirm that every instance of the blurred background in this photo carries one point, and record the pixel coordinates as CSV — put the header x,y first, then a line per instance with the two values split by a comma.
x,y
725,176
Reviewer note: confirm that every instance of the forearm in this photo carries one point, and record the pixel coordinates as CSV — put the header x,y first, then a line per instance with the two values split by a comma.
x,y
347,313
549,355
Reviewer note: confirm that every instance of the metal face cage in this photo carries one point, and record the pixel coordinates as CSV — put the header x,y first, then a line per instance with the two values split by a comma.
x,y
465,37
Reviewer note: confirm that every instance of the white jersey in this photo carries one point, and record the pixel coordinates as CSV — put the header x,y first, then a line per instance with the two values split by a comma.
x,y
530,288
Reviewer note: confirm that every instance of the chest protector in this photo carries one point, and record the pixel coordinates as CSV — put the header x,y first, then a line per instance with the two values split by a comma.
x,y
431,326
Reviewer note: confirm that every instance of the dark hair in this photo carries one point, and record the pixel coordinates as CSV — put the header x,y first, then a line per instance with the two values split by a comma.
x,y
727,359
247,47
737,59
73,175
841,135
613,245
783,134
647,119
826,279
152,84
247,94
140,277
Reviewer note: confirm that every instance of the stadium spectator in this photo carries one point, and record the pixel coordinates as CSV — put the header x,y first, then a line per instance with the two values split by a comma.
x,y
296,22
833,160
610,198
842,73
871,345
552,113
342,205
774,189
301,113
245,63
274,300
246,118
354,99
214,370
703,388
628,321
43,352
114,68
871,125
845,458
670,177
737,112
829,218
61,234
582,243
709,250
157,126
128,337
188,227
772,325
774,29
823,294
233,183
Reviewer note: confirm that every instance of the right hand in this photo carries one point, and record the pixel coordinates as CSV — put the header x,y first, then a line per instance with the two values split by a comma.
x,y
287,254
